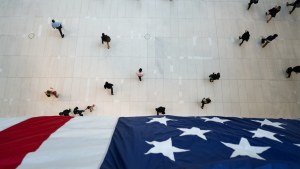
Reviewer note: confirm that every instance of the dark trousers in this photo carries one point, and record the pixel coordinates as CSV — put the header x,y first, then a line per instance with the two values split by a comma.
x,y
202,104
140,78
112,91
242,41
59,29
249,5
294,6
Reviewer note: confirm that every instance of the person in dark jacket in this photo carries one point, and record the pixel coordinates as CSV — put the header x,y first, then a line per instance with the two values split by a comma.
x,y
109,86
205,101
160,110
76,111
265,41
295,69
65,112
252,2
244,37
295,5
105,38
214,76
272,12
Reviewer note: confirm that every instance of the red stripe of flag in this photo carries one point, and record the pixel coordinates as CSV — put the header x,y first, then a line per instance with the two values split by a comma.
x,y
26,137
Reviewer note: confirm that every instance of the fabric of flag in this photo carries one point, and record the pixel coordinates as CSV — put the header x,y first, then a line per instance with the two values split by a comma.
x,y
170,142
54,142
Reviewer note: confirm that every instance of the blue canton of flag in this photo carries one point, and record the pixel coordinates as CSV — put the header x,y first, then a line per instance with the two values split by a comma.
x,y
170,142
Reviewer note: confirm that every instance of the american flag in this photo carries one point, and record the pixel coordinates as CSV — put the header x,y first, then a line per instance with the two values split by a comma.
x,y
170,142
156,142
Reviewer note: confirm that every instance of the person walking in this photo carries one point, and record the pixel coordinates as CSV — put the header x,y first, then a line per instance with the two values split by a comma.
x,y
105,38
295,5
160,110
65,112
272,12
91,108
51,92
77,111
252,2
140,73
265,41
205,101
57,25
244,37
295,69
214,76
109,86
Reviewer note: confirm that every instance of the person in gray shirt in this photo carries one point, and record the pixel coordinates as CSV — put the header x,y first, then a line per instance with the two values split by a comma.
x,y
57,25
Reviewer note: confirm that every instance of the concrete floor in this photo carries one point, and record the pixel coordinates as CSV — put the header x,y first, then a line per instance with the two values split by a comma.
x,y
178,44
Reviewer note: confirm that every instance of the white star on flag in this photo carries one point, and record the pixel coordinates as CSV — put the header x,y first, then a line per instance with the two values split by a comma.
x,y
259,133
215,119
268,122
194,131
297,145
245,149
165,148
162,120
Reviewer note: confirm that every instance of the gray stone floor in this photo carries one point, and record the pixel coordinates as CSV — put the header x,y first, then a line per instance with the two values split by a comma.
x,y
189,39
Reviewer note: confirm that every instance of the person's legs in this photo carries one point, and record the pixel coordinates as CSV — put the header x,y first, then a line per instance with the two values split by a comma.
x,y
249,5
108,45
242,42
55,94
112,91
268,20
140,78
202,104
289,71
59,29
264,45
294,7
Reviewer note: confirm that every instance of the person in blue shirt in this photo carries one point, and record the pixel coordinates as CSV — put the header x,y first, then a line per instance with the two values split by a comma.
x,y
57,25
